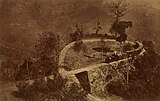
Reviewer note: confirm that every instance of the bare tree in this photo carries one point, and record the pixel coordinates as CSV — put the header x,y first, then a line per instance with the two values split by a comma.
x,y
118,9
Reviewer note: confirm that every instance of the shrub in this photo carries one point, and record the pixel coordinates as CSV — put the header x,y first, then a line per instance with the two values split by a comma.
x,y
55,90
144,81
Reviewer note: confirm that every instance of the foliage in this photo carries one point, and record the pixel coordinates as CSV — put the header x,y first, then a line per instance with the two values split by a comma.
x,y
47,50
144,81
45,61
79,45
75,93
54,90
48,44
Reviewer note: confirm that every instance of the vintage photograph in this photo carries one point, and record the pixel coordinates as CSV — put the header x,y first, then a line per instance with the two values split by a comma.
x,y
79,50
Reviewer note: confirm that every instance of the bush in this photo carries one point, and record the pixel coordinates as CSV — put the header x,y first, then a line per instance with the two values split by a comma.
x,y
55,90
144,81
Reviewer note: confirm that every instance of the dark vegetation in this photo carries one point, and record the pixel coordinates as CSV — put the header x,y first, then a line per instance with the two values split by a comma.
x,y
143,81
80,46
94,35
43,61
55,90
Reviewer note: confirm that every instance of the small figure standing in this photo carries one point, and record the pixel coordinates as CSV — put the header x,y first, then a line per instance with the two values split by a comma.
x,y
98,27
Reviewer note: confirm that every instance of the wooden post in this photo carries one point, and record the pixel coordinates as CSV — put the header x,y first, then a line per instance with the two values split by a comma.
x,y
127,76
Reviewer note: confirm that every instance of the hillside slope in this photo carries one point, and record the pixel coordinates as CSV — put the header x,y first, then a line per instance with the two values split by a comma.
x,y
21,20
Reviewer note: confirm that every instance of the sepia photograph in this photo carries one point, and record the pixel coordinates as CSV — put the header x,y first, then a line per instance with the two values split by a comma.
x,y
79,50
